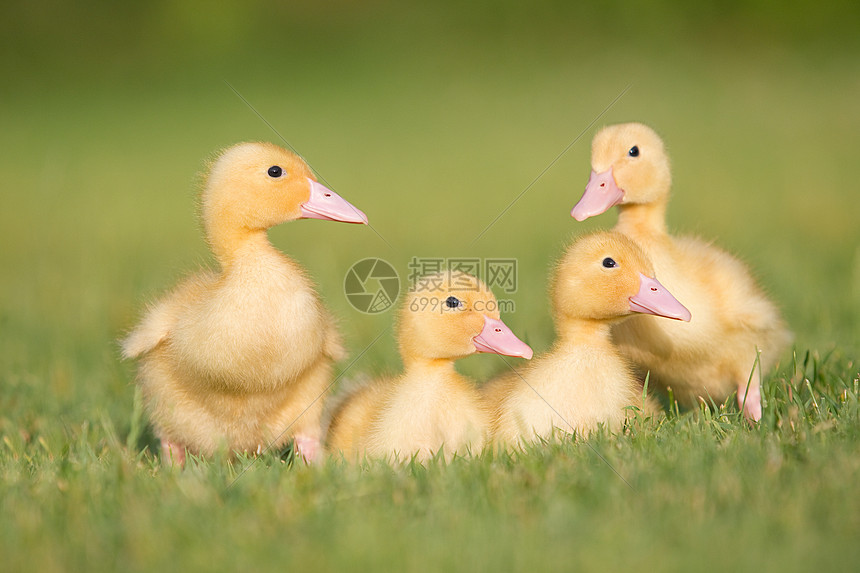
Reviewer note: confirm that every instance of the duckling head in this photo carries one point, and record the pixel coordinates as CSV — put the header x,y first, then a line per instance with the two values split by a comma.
x,y
450,315
629,165
605,276
254,186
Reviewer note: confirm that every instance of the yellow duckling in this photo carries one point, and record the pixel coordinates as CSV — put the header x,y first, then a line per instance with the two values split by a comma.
x,y
430,406
583,381
713,355
239,358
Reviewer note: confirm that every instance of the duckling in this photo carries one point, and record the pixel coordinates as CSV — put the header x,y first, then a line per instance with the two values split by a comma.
x,y
429,407
238,358
714,355
583,381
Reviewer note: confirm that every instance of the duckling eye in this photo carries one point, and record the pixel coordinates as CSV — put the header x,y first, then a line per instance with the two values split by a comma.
x,y
609,263
275,171
634,151
453,302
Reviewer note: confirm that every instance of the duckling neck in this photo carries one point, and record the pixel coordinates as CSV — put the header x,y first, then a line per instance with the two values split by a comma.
x,y
228,245
428,366
642,219
578,332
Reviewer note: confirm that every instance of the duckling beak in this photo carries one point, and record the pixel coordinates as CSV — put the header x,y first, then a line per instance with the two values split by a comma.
x,y
327,205
600,194
497,338
653,298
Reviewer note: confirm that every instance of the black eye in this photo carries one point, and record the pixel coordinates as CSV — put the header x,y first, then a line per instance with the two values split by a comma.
x,y
275,171
634,151
452,302
609,263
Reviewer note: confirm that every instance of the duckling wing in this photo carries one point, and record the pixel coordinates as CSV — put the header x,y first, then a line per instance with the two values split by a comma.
x,y
494,395
161,317
354,415
732,291
333,343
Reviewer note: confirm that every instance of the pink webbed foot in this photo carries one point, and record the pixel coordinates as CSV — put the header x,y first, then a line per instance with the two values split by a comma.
x,y
308,448
752,404
172,454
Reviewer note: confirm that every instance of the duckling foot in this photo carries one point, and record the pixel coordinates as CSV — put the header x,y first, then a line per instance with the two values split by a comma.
x,y
307,447
172,453
752,404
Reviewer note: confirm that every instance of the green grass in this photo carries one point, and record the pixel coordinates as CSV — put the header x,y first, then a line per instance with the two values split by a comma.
x,y
432,121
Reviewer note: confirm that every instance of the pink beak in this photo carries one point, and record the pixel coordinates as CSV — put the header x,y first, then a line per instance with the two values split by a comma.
x,y
327,205
497,338
600,194
653,298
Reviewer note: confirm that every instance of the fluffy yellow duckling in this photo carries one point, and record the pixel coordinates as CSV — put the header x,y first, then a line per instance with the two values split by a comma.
x,y
430,406
583,381
238,358
714,354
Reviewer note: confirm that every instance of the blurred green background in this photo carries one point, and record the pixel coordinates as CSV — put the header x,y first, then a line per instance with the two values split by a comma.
x,y
432,118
